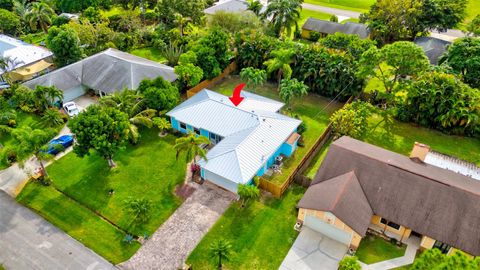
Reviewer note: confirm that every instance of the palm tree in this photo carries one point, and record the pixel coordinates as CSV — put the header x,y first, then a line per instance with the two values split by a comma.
x,y
139,208
7,64
220,250
28,141
20,7
45,96
255,6
190,144
247,192
284,15
280,62
162,124
131,103
39,13
181,22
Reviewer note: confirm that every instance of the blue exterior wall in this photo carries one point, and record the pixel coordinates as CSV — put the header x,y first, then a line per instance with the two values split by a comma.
x,y
286,149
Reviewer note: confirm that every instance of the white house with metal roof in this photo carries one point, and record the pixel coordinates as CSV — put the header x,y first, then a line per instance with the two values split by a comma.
x,y
247,138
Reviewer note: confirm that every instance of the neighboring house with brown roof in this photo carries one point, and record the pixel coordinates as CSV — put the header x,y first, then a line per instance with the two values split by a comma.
x,y
362,187
325,28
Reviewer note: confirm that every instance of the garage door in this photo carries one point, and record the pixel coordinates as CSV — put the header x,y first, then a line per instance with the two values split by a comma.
x,y
73,93
220,181
327,229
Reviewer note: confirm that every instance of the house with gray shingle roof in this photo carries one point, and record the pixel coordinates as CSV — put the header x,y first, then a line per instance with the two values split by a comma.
x,y
362,188
433,47
325,28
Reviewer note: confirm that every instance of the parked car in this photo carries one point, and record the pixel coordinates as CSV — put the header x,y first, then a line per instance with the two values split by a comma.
x,y
60,143
71,109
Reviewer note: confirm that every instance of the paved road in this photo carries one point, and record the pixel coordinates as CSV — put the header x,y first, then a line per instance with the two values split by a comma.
x,y
29,242
449,35
179,235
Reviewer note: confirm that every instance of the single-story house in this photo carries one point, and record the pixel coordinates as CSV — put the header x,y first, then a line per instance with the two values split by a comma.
x,y
361,187
28,60
230,6
433,47
247,138
329,28
105,72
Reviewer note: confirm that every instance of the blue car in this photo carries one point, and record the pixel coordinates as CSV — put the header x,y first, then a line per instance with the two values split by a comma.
x,y
65,141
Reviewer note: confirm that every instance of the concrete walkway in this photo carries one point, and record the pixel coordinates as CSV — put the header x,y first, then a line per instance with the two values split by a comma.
x,y
30,242
171,244
413,243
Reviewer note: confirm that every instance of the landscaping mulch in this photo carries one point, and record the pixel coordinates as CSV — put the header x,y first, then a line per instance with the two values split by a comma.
x,y
184,191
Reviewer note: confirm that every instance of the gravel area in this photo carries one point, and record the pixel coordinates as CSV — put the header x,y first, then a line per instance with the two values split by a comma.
x,y
171,244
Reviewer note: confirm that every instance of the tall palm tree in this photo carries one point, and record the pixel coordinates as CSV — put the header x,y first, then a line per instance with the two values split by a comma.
x,y
191,145
20,7
284,15
280,62
131,103
220,250
39,14
255,6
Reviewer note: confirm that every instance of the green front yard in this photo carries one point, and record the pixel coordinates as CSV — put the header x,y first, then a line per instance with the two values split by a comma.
x,y
310,110
260,234
374,249
149,53
354,5
147,170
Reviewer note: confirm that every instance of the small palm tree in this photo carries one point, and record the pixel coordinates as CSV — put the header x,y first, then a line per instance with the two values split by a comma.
x,y
280,62
28,141
181,22
220,250
191,145
255,6
7,64
247,193
20,7
39,13
162,124
52,117
139,208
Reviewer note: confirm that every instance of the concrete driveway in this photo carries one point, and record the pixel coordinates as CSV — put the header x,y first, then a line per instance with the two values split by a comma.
x,y
27,242
314,251
84,101
171,244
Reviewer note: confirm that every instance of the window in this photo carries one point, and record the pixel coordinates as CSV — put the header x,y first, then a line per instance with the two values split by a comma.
x,y
196,130
390,224
183,126
444,248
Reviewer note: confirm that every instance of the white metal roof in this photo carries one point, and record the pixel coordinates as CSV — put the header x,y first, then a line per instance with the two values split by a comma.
x,y
23,53
107,71
251,136
453,164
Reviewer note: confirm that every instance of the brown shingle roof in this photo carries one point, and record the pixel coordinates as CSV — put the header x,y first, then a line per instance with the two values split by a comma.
x,y
432,201
343,196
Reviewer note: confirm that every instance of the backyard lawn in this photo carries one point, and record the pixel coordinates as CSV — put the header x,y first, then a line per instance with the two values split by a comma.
x,y
374,249
406,134
310,109
354,5
150,53
146,170
260,234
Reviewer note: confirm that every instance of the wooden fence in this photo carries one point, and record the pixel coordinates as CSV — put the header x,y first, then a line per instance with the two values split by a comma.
x,y
278,190
207,83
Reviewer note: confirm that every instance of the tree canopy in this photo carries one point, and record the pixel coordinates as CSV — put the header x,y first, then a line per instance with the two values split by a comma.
x,y
463,56
10,22
434,259
159,94
284,15
65,44
102,129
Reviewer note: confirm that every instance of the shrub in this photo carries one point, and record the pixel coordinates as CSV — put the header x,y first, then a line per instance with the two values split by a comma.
x,y
314,36
349,263
52,117
352,120
334,18
10,22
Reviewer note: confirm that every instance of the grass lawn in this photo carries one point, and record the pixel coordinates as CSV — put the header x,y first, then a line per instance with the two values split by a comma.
x,y
23,120
406,134
261,233
374,249
35,39
149,53
310,109
146,170
317,161
354,5
312,13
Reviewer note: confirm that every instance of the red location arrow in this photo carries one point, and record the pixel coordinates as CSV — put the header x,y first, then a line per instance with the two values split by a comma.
x,y
236,99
